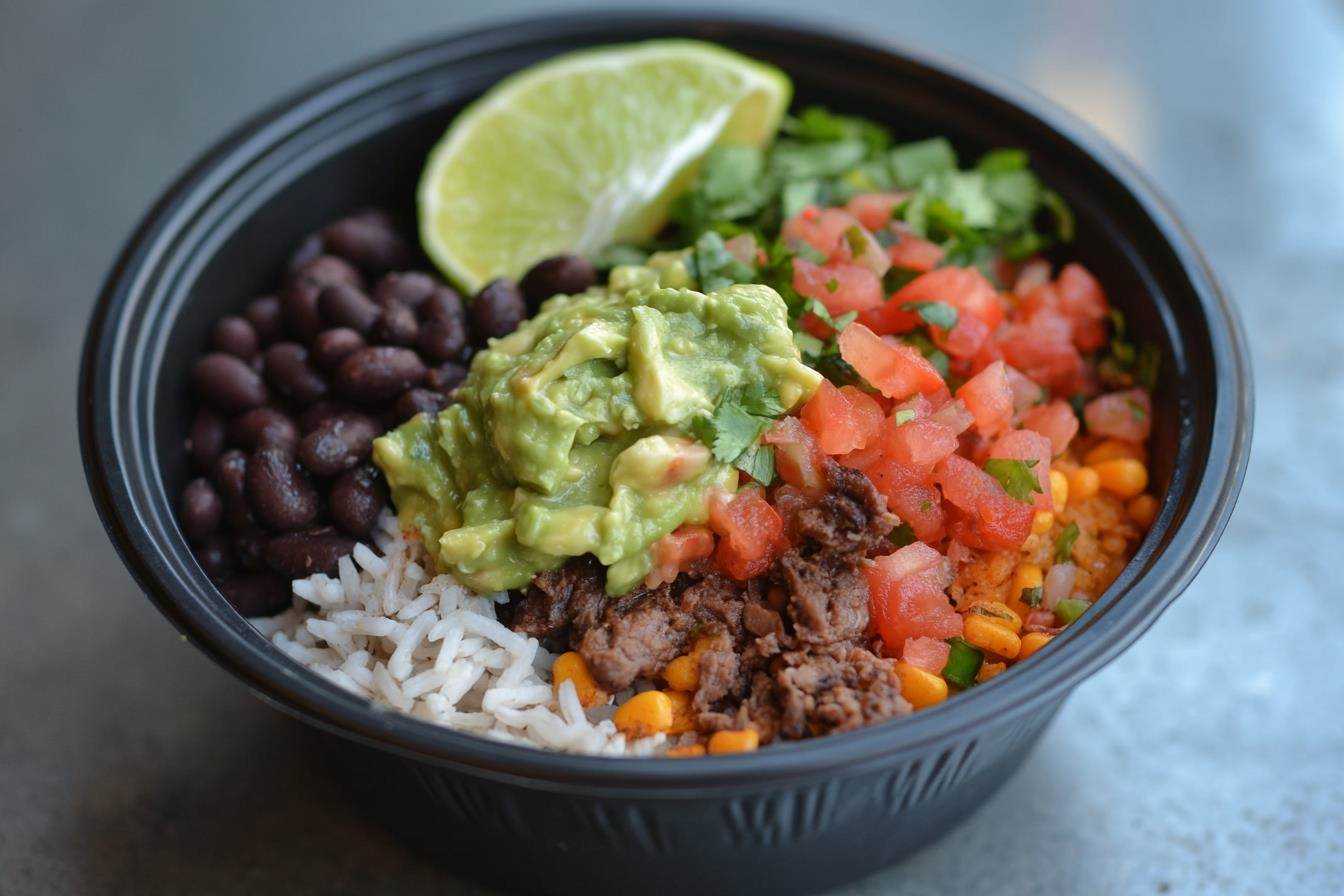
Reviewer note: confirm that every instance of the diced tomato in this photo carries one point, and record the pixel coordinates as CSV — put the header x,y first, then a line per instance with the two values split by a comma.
x,y
914,253
921,506
1026,393
1080,295
1031,273
842,420
799,460
965,289
929,654
677,550
1120,415
1041,348
896,370
822,229
965,339
866,251
750,533
989,399
954,416
919,444
989,518
1025,445
906,595
873,210
1056,421
842,287
889,319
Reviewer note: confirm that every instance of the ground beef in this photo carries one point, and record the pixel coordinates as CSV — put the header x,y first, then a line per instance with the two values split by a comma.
x,y
823,690
828,596
558,597
851,517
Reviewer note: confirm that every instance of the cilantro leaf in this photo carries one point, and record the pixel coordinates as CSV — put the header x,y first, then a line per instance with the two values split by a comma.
x,y
756,399
902,535
816,124
734,430
797,195
912,162
1032,597
758,462
935,314
1016,477
905,415
998,161
896,277
1064,544
795,159
714,266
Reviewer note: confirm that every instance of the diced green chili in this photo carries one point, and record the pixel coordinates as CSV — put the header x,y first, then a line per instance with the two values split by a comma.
x,y
1070,608
963,663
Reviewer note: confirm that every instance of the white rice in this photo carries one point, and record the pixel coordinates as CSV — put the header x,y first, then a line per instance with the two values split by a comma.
x,y
385,630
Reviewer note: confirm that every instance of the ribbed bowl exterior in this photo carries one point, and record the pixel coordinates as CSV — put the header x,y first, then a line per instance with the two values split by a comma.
x,y
791,818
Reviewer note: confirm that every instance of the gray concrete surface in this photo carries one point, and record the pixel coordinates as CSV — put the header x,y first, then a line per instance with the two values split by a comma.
x,y
1209,759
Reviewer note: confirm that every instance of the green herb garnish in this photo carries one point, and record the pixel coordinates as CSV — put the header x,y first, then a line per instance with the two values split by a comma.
x,y
902,535
963,663
935,314
1032,597
733,432
1064,544
1016,477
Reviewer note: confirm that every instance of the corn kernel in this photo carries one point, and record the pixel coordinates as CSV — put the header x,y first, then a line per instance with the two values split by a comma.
x,y
1041,523
571,667
998,613
1111,449
1143,511
1123,477
989,670
1027,577
743,741
686,751
991,637
683,713
1084,483
1032,642
644,714
683,673
919,686
1059,489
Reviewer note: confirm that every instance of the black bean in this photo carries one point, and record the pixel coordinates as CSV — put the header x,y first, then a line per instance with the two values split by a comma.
x,y
300,554
267,318
257,594
379,373
201,510
443,301
319,412
263,426
561,275
443,338
419,401
289,373
410,288
205,439
299,300
497,310
230,478
338,444
227,384
249,546
278,491
370,239
331,346
358,496
343,305
215,554
396,325
311,247
235,336
446,377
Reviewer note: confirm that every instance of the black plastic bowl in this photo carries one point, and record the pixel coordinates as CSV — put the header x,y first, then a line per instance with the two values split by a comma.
x,y
791,818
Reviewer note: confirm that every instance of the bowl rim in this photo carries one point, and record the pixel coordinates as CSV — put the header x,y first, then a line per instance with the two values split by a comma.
x,y
277,680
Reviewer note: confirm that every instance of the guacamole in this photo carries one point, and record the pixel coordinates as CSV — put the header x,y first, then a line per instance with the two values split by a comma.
x,y
573,435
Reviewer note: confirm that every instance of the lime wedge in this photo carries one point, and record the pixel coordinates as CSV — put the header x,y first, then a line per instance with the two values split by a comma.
x,y
584,150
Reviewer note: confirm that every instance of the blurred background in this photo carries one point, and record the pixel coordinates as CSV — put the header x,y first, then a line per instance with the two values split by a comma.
x,y
1208,759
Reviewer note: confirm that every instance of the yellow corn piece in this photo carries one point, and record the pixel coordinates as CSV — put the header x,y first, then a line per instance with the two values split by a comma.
x,y
1083,485
1143,511
1059,489
997,613
683,673
989,670
686,751
1032,642
644,715
1041,523
571,667
1027,577
743,741
991,636
683,713
1123,477
919,686
1112,449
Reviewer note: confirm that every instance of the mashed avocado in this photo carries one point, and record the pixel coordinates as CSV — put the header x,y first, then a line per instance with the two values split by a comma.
x,y
573,436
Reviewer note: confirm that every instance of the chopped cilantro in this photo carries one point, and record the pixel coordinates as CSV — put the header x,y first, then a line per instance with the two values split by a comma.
x,y
1016,477
808,345
758,462
715,267
902,535
756,399
896,277
817,124
932,353
618,254
1078,401
1064,544
912,162
733,432
999,161
832,285
935,314
905,415
1032,597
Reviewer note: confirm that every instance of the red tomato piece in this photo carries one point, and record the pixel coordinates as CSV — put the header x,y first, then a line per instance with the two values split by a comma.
x,y
914,253
1042,349
919,444
799,460
677,550
1025,445
822,229
840,286
954,416
965,289
989,398
1120,415
922,507
1056,421
842,420
889,319
1080,295
965,339
750,533
988,518
896,370
906,596
929,654
873,210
